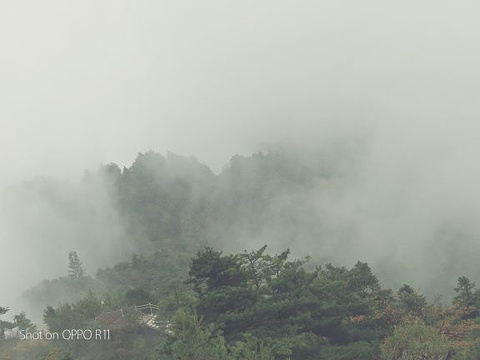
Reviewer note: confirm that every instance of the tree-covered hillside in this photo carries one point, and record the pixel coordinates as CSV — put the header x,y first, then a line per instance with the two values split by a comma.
x,y
176,205
155,253
179,202
251,305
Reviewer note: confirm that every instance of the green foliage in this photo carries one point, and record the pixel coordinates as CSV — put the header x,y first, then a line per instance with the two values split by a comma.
x,y
468,353
4,324
138,296
163,199
74,316
256,306
282,304
467,299
23,323
214,271
410,301
355,351
250,348
156,278
192,341
414,340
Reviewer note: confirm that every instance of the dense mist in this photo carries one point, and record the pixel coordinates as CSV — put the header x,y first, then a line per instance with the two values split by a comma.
x,y
43,220
365,114
326,202
94,82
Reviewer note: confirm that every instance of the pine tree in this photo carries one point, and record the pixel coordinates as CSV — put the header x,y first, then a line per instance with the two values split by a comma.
x,y
75,268
467,298
3,324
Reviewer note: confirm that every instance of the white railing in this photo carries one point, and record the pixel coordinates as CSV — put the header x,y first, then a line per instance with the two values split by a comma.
x,y
150,308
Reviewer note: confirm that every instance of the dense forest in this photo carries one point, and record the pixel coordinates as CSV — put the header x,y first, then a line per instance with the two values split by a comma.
x,y
206,267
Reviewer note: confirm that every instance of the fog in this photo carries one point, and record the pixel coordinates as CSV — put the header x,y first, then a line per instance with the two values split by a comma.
x,y
91,82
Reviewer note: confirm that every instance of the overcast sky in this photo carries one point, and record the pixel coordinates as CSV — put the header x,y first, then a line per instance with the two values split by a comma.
x,y
85,82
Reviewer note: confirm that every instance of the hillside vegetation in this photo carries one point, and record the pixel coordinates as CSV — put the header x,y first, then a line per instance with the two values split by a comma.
x,y
191,246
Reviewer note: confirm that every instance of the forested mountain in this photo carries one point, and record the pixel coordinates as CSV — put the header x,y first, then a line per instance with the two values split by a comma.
x,y
176,205
189,244
179,201
170,203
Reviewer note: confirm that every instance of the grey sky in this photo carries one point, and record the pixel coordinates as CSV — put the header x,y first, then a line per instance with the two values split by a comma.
x,y
89,81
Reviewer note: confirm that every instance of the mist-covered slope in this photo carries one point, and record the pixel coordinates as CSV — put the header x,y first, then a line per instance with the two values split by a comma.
x,y
177,205
137,230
